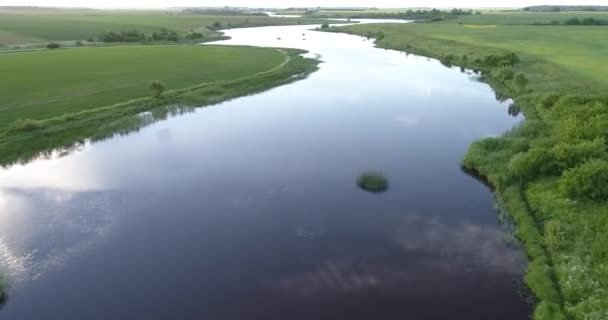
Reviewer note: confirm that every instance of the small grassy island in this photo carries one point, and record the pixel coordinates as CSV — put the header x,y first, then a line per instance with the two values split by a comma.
x,y
373,182
550,172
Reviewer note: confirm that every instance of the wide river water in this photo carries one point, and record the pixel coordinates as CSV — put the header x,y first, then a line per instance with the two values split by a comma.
x,y
250,209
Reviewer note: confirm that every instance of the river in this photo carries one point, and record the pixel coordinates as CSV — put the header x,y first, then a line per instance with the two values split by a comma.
x,y
250,210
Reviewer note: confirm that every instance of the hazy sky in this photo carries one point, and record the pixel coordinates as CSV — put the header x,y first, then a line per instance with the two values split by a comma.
x,y
295,3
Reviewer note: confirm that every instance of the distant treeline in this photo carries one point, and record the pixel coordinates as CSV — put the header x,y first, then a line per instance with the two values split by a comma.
x,y
135,36
224,12
578,22
422,15
565,8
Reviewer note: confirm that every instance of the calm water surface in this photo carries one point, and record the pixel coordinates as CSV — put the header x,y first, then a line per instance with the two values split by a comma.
x,y
249,209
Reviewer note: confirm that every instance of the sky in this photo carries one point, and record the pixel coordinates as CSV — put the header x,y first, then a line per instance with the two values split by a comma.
x,y
294,3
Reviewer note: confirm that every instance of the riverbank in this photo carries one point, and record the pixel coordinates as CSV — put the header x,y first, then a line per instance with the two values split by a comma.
x,y
549,172
27,137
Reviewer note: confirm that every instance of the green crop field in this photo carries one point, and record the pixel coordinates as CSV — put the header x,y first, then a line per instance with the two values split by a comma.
x,y
39,26
550,173
42,84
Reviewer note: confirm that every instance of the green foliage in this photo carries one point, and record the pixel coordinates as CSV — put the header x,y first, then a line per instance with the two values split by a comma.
x,y
158,87
53,45
520,81
589,181
504,73
324,26
373,182
570,155
26,125
531,164
122,36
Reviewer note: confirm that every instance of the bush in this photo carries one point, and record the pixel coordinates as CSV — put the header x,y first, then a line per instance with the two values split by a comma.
x,y
520,81
573,22
53,45
194,35
549,100
27,125
79,43
531,164
372,182
571,155
158,87
504,73
589,180
324,26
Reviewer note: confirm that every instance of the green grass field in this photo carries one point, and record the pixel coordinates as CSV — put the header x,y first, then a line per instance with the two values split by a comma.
x,y
527,18
43,84
571,58
550,173
40,26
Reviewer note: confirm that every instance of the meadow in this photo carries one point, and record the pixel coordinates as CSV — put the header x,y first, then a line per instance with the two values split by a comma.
x,y
550,173
42,84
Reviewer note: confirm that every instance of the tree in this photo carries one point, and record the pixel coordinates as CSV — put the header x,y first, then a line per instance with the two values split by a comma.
x,y
53,45
158,87
324,26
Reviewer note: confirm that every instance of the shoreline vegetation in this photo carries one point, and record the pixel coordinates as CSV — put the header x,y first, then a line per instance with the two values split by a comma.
x,y
26,139
550,173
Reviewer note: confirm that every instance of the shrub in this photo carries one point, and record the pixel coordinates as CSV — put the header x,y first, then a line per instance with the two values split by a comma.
x,y
589,180
549,100
194,35
324,26
79,43
372,182
504,73
53,45
158,87
26,125
571,155
531,164
573,22
520,81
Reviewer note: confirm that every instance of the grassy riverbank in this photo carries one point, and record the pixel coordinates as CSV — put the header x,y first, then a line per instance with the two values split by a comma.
x,y
42,84
550,172
71,109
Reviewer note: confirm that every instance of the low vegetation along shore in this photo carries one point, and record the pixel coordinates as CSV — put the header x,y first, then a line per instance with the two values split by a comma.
x,y
550,172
